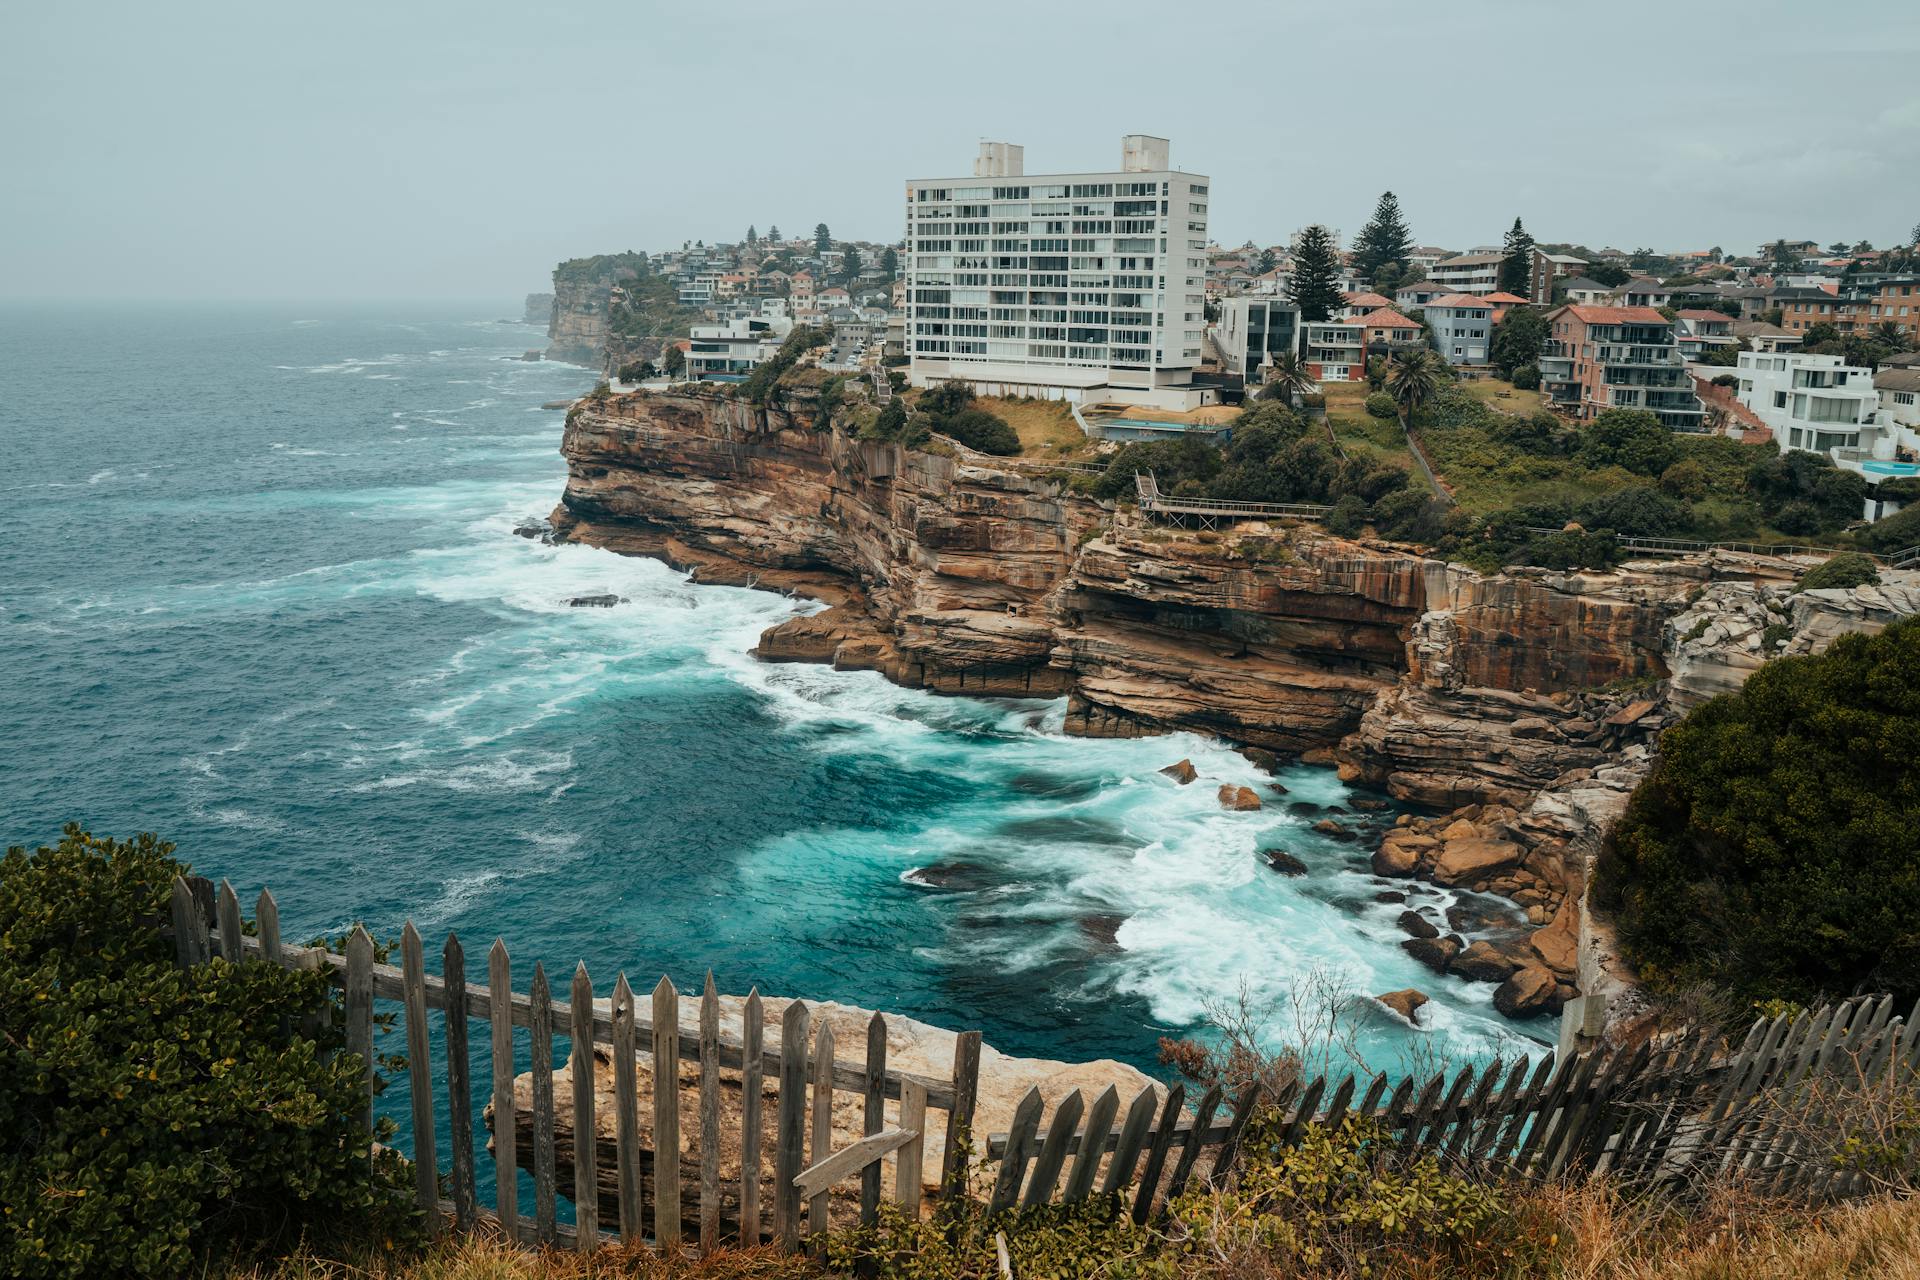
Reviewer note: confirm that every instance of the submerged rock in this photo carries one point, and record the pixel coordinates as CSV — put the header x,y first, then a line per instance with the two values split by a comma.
x,y
1285,863
1261,759
1484,961
595,602
1417,925
1103,928
534,527
1181,772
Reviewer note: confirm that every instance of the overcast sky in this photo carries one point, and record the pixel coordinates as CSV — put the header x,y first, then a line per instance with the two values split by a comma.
x,y
262,150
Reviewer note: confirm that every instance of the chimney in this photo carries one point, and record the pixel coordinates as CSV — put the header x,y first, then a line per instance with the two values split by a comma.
x,y
1144,153
1000,160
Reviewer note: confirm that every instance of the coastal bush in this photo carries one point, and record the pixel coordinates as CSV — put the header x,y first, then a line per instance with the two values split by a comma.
x,y
1629,438
1527,377
156,1117
1771,850
1803,494
1637,511
1381,405
1348,517
1170,461
1848,569
1895,533
759,386
978,429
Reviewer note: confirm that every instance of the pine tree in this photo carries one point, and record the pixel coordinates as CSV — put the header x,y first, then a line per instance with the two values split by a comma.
x,y
753,237
822,239
1316,274
890,263
1384,239
773,234
1516,264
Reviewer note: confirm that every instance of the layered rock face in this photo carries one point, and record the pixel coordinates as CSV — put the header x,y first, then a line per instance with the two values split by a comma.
x,y
1514,679
539,309
578,322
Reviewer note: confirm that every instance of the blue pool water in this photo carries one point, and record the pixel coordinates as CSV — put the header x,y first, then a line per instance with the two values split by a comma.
x,y
259,593
1891,468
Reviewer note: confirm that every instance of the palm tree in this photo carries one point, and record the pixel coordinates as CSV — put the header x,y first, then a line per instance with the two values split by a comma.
x,y
1890,333
1413,379
1286,379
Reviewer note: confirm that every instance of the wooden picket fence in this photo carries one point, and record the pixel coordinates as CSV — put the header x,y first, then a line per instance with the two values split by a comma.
x,y
1689,1107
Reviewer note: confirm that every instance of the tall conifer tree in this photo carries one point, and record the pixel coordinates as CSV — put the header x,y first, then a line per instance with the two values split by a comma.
x,y
1384,239
1316,274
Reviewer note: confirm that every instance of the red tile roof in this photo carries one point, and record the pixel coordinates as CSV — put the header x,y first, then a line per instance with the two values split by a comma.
x,y
1508,298
1459,300
1617,315
1706,315
1371,301
1386,318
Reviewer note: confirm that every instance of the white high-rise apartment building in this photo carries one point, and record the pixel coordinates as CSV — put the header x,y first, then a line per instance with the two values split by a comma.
x,y
1081,286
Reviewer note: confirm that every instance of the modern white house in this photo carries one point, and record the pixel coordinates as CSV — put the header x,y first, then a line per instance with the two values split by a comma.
x,y
729,351
1075,286
1252,330
1813,402
1462,327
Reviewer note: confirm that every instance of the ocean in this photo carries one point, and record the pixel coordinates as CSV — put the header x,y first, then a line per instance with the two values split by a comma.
x,y
259,593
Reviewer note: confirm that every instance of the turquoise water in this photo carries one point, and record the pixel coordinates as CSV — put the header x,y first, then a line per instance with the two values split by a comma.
x,y
1891,468
259,593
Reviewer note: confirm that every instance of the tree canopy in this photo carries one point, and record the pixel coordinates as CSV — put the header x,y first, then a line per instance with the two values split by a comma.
x,y
1385,239
1771,850
1516,261
1316,274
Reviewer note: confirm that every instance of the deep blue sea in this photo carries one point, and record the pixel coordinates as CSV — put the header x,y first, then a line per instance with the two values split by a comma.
x,y
259,593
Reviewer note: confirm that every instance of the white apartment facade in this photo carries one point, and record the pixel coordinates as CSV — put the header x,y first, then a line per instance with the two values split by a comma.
x,y
729,351
1811,402
1076,286
1477,272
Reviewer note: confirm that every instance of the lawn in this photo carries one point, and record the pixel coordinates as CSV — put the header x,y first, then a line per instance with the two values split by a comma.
x,y
1359,432
1046,427
1502,396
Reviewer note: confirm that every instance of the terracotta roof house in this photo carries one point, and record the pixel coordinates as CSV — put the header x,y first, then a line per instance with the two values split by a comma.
x,y
1462,327
1502,303
1600,358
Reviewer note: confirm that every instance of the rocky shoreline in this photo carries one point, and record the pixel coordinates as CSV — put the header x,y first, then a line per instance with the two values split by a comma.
x,y
1518,709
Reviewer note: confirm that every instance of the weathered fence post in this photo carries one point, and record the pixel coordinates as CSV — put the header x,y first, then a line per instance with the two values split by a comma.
x,y
506,1123
190,943
266,919
233,944
822,1146
359,1002
666,1117
874,1118
1013,1162
752,1082
586,1137
1157,1153
790,1123
426,1154
626,1114
909,1166
709,1118
540,1046
453,969
966,1088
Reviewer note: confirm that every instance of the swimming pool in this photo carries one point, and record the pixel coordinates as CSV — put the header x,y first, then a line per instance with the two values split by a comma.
x,y
1891,468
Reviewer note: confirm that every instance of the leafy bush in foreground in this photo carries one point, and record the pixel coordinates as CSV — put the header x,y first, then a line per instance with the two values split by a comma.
x,y
155,1116
1771,852
1848,569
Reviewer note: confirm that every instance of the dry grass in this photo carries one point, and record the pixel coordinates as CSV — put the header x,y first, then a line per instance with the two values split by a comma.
x,y
1499,395
1588,1234
1046,427
485,1257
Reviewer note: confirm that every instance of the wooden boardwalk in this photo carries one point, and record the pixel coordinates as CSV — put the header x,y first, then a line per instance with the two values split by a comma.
x,y
1211,513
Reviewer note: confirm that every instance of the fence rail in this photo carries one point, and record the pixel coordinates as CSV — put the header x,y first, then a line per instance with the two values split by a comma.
x,y
1686,1107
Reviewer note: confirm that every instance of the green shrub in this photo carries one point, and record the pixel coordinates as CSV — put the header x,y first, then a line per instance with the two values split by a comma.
x,y
1630,438
1848,569
1381,405
1771,850
156,1117
1685,479
1348,517
1637,511
1527,377
978,429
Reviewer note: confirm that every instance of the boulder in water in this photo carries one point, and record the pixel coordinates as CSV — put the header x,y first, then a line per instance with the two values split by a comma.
x,y
595,602
1406,1003
1238,799
1103,928
1261,759
1285,863
1529,991
1181,772
1417,925
533,527
1435,953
